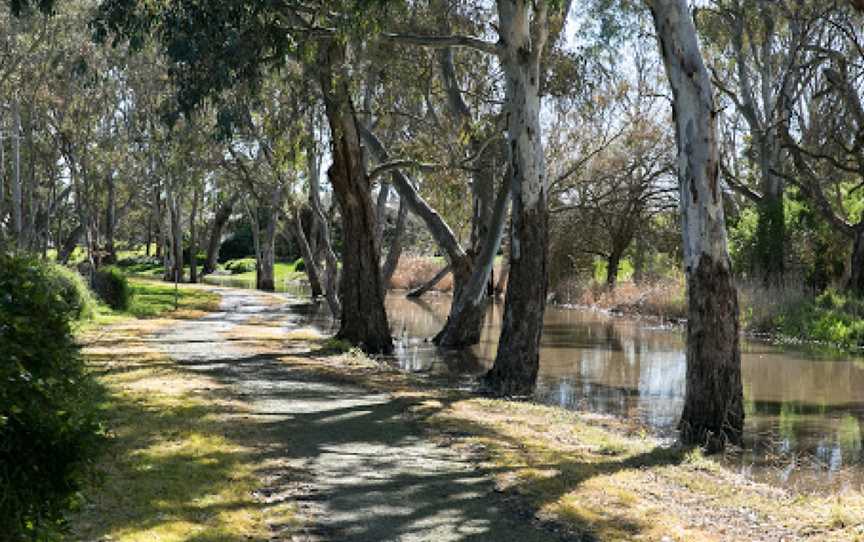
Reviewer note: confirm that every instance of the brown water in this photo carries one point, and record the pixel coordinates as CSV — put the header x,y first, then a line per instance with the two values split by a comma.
x,y
805,411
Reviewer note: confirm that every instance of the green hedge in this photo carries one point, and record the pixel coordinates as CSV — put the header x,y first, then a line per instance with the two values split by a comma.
x,y
112,287
49,420
73,289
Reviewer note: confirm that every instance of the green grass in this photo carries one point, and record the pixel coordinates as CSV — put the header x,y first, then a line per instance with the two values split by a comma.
x,y
282,271
152,299
183,464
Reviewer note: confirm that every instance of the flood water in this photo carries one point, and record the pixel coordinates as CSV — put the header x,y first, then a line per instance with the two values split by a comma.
x,y
805,412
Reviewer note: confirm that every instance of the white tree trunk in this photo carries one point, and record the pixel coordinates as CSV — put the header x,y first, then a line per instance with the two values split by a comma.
x,y
523,28
713,408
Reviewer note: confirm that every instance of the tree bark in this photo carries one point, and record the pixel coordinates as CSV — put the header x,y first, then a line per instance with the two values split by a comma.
x,y
713,412
313,272
110,223
518,358
856,271
468,308
220,219
612,264
395,251
193,237
17,195
69,244
363,320
264,221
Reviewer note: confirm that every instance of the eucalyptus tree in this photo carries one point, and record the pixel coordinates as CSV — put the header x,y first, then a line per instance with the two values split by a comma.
x,y
216,46
617,192
713,412
758,45
266,147
825,134
451,117
523,30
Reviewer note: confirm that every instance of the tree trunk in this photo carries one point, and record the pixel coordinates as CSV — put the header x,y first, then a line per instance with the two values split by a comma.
x,y
264,229
771,225
149,239
639,260
223,214
395,251
177,238
713,412
518,359
17,195
313,272
364,320
422,289
110,225
856,268
468,308
193,239
69,244
612,263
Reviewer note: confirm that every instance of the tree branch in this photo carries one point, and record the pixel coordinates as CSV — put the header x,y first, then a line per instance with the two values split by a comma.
x,y
441,42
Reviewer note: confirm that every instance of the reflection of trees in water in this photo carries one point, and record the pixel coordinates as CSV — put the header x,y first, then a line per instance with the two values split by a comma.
x,y
795,406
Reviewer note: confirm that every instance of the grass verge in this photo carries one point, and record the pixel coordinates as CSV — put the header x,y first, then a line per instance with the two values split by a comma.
x,y
184,462
153,299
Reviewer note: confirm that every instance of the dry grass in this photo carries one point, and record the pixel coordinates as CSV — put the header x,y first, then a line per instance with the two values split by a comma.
x,y
662,299
761,306
415,271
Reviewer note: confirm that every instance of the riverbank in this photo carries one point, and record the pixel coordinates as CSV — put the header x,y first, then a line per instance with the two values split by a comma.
x,y
217,397
832,321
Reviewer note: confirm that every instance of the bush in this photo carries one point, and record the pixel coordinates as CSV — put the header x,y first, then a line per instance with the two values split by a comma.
x,y
239,244
244,265
49,423
299,265
73,289
112,287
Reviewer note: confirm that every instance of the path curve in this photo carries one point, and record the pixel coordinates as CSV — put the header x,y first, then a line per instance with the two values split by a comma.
x,y
356,464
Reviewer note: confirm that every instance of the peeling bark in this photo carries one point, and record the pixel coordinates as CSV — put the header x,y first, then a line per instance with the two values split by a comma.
x,y
523,28
713,412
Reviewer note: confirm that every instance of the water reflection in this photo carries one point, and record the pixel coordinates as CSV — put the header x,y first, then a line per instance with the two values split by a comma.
x,y
804,412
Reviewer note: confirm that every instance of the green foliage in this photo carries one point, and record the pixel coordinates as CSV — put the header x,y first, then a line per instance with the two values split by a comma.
x,y
243,265
299,265
49,421
73,289
834,317
112,287
239,245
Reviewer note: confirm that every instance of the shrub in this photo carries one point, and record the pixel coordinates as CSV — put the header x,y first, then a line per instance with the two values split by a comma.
x,y
239,244
112,287
49,422
299,265
244,265
73,289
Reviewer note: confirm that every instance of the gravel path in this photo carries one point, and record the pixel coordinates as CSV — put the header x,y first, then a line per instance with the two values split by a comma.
x,y
355,464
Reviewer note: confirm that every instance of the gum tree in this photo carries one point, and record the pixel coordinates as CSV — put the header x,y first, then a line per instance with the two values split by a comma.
x,y
713,406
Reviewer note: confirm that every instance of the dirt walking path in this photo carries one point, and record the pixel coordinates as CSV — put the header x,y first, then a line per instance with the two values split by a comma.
x,y
355,462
